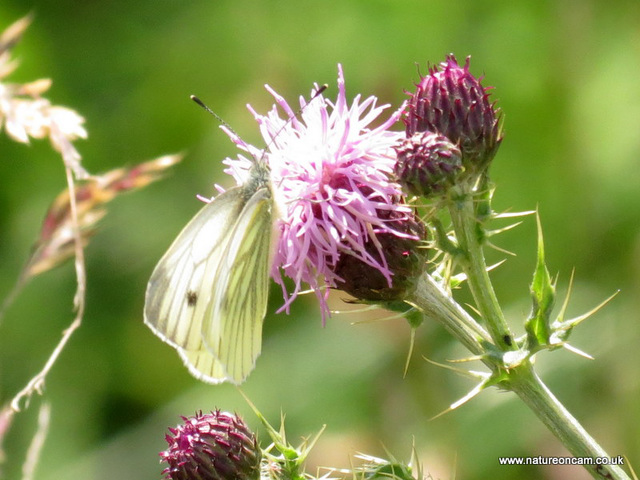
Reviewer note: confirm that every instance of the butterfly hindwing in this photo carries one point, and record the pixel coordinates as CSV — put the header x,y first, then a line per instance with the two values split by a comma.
x,y
233,329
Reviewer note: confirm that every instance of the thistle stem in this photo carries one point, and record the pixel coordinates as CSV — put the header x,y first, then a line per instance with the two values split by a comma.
x,y
535,394
436,303
469,235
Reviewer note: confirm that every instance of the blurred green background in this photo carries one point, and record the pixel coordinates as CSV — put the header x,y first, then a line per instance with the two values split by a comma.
x,y
565,73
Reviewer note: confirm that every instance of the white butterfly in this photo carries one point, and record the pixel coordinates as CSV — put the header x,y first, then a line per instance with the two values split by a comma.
x,y
207,297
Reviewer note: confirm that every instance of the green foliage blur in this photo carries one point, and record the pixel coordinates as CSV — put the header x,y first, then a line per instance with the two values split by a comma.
x,y
565,74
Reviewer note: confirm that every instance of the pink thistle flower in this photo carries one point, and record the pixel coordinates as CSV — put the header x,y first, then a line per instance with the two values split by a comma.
x,y
331,179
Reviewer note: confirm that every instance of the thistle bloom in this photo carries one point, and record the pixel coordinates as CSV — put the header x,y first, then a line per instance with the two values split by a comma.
x,y
213,446
331,176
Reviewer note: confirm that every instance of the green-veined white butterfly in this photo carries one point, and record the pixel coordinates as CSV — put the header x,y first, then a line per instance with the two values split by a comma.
x,y
207,297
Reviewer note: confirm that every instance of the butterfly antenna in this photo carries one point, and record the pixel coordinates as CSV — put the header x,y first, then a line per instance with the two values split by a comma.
x,y
317,93
203,105
320,90
219,119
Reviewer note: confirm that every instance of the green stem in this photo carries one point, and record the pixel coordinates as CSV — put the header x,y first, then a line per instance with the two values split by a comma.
x,y
469,234
528,386
436,303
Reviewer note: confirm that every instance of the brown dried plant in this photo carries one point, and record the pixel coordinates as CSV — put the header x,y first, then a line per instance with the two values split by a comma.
x,y
71,220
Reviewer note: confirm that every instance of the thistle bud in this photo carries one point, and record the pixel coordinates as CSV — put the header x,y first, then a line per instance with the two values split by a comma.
x,y
452,102
404,253
427,163
215,446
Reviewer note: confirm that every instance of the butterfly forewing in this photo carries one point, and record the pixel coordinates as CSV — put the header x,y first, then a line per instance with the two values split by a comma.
x,y
181,286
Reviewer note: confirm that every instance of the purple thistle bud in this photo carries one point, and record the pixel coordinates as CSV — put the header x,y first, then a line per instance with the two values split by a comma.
x,y
452,102
428,163
213,446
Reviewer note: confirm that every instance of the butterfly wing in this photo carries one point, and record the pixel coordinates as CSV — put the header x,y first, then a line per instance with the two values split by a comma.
x,y
233,327
180,289
195,298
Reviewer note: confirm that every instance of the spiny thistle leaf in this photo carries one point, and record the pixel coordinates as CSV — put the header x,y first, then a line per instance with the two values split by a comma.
x,y
485,380
543,295
389,471
563,328
290,461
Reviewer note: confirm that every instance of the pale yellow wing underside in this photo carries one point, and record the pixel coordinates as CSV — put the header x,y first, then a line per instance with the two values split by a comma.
x,y
207,296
